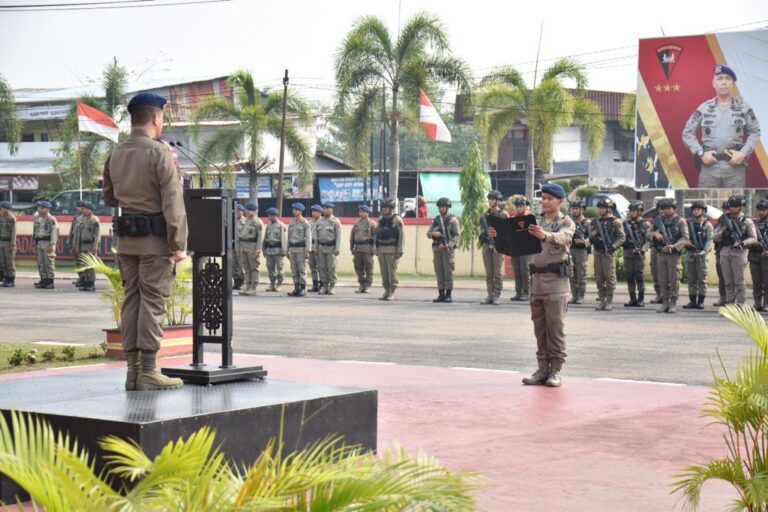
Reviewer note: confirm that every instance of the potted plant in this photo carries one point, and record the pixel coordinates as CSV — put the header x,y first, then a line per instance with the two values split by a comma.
x,y
177,333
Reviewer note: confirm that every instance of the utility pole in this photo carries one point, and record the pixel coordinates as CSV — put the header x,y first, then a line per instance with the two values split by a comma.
x,y
280,168
383,148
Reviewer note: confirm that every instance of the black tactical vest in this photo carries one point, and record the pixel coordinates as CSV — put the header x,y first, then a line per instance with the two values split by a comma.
x,y
728,237
386,230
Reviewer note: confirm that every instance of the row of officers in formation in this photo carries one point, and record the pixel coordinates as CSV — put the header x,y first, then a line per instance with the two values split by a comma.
x,y
738,241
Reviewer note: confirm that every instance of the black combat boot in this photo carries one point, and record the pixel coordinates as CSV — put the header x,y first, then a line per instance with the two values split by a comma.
x,y
440,296
539,377
9,282
238,285
48,285
692,300
320,287
315,286
632,301
448,295
295,292
700,302
640,300
40,283
88,287
302,290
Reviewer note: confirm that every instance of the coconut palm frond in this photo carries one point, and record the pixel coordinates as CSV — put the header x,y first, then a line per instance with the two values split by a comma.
x,y
628,115
589,114
750,322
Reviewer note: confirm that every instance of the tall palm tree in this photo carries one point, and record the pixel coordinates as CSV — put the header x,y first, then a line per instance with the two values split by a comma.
x,y
505,101
372,67
257,115
10,125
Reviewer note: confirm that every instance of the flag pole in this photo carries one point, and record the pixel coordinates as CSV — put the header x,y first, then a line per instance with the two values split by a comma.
x,y
79,165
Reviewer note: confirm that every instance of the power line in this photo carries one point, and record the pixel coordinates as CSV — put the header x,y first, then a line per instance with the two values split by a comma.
x,y
31,6
108,7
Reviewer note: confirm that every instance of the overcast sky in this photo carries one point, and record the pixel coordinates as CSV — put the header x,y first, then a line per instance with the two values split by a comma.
x,y
67,48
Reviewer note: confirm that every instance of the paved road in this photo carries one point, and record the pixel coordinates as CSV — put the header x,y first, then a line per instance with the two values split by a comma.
x,y
624,344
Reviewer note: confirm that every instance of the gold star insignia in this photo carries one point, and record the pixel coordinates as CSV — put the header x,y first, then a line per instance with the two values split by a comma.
x,y
676,87
658,88
667,88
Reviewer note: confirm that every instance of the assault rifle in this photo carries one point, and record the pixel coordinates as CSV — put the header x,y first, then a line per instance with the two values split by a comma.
x,y
663,230
607,243
698,243
446,235
734,229
631,235
484,224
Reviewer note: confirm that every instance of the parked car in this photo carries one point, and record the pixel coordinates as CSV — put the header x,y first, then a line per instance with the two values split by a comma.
x,y
622,203
64,202
713,213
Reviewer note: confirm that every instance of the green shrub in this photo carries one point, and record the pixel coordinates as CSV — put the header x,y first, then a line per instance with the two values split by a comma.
x,y
577,182
31,356
68,352
17,357
566,184
48,355
586,192
591,212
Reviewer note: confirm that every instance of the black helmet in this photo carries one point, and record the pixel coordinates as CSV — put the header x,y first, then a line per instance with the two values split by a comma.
x,y
636,206
444,201
521,201
737,201
389,202
495,194
762,204
605,202
666,203
726,205
699,204
578,203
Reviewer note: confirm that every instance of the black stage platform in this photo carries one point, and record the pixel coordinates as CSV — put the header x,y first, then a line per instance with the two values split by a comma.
x,y
245,415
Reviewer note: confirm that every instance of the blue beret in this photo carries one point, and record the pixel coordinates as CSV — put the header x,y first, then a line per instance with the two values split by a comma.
x,y
298,206
317,208
6,204
79,203
365,208
272,211
89,205
239,207
722,69
553,189
146,98
44,204
251,206
328,205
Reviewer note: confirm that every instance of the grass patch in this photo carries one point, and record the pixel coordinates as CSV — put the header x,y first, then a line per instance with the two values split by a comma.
x,y
20,357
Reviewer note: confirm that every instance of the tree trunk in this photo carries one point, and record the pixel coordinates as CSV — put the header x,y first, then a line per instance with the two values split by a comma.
x,y
394,149
253,187
530,172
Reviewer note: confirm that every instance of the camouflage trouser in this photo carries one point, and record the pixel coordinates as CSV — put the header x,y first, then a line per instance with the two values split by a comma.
x,y
579,277
8,261
494,270
250,264
669,271
275,268
759,271
634,269
88,276
696,268
548,315
655,272
46,260
720,278
605,275
326,266
522,274
313,266
298,267
388,268
734,264
363,262
444,264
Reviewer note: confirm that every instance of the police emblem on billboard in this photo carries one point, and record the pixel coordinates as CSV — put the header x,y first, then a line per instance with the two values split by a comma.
x,y
669,56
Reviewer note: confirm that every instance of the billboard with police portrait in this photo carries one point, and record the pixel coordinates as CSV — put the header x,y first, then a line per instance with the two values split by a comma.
x,y
701,103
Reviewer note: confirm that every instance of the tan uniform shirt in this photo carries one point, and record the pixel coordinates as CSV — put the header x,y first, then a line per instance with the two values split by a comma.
x,y
46,230
299,236
251,234
384,237
7,230
554,249
328,230
275,239
140,177
88,234
361,238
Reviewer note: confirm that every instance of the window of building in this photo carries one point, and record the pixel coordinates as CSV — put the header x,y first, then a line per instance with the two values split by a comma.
x,y
623,148
28,137
43,137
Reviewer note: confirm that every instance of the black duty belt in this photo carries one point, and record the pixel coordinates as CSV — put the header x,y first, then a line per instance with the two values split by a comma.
x,y
135,225
552,268
298,244
364,242
43,238
386,242
327,244
249,240
272,245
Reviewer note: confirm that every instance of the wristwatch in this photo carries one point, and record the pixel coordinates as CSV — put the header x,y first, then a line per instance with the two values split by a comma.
x,y
700,153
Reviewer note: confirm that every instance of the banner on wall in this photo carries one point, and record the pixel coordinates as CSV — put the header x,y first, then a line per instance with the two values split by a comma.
x,y
347,189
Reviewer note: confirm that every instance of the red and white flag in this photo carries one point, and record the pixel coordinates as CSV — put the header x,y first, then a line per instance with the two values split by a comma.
x,y
430,119
95,121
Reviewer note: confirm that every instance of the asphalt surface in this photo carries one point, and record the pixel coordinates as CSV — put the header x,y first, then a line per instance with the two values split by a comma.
x,y
626,343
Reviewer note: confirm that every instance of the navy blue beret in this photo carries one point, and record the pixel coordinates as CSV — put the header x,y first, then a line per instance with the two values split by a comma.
x,y
44,204
146,98
298,206
272,211
239,207
328,205
553,189
79,203
6,204
317,208
251,206
365,208
88,204
722,69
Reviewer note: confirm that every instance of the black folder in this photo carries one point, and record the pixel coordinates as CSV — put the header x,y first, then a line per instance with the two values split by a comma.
x,y
512,237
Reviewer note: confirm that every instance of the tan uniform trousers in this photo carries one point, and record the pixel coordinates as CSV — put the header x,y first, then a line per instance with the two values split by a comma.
x,y
275,268
605,275
720,278
238,272
46,260
444,264
734,264
298,267
522,274
634,269
326,267
147,280
759,273
363,262
313,266
89,276
494,270
696,269
8,260
548,315
579,277
250,264
669,272
388,269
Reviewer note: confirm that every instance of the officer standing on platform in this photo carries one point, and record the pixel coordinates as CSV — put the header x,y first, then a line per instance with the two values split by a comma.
x,y
361,246
580,249
45,235
669,232
140,177
636,228
444,233
606,234
520,263
736,232
251,241
696,254
729,133
239,273
389,239
493,261
550,287
88,239
7,245
317,211
275,248
299,242
328,230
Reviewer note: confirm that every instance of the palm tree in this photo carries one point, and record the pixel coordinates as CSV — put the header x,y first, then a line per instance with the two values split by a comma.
x,y
505,101
371,67
628,111
256,115
10,125
192,474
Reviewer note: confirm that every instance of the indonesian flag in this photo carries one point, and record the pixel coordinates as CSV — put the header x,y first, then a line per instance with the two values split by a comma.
x,y
95,121
433,124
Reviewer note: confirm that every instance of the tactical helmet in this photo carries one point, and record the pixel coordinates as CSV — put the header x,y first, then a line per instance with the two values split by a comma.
x,y
762,204
388,203
666,203
737,201
578,203
519,200
699,204
444,201
636,206
605,202
495,194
